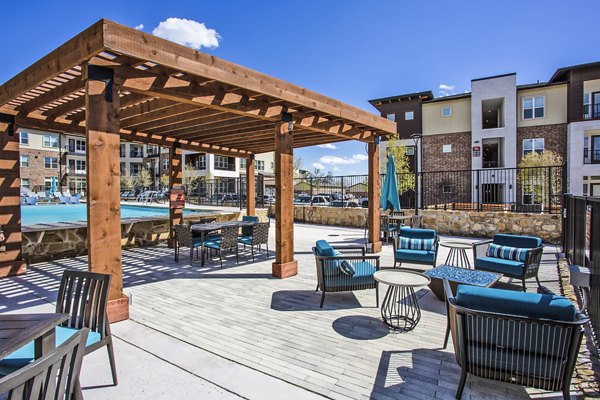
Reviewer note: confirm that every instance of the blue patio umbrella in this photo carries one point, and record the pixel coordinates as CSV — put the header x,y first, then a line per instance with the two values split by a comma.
x,y
53,186
389,190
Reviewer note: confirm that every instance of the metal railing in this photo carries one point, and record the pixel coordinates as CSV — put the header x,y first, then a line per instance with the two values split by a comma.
x,y
581,242
591,111
229,192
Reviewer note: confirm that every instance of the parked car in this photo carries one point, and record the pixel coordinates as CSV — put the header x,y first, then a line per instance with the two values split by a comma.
x,y
302,200
345,204
318,200
268,199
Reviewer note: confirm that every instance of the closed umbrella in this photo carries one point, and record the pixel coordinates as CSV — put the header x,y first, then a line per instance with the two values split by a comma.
x,y
53,186
389,191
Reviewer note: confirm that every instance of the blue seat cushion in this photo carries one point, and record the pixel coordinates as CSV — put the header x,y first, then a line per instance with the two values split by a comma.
x,y
500,265
245,239
363,275
324,249
415,255
531,305
25,354
213,244
415,233
247,230
529,242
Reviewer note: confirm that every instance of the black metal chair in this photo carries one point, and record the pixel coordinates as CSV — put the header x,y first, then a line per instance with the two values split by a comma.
x,y
55,376
534,352
227,241
388,229
258,237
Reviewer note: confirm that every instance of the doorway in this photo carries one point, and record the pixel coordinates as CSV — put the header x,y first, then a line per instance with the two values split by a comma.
x,y
492,153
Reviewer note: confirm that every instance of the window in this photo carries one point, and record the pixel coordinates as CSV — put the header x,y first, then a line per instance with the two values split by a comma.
x,y
80,166
531,145
123,169
122,151
447,189
47,183
24,138
221,162
243,163
586,106
24,161
50,162
202,161
260,165
165,163
50,141
391,117
134,169
136,151
532,194
80,146
447,111
25,183
447,148
533,107
409,115
78,185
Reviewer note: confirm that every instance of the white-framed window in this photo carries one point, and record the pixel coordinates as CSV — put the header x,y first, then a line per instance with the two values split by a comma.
x,y
47,183
80,166
78,185
135,169
447,111
165,164
447,148
243,162
391,117
80,146
50,162
25,182
260,165
533,145
587,108
587,155
24,161
202,161
221,162
533,195
533,107
122,150
50,141
409,115
136,151
410,150
123,169
24,138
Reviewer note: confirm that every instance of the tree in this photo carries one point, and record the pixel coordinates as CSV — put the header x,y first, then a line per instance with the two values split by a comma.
x,y
297,163
127,182
144,179
539,176
190,178
164,181
406,178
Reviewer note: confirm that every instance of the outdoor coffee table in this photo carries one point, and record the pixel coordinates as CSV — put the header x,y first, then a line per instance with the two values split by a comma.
x,y
400,309
457,276
458,253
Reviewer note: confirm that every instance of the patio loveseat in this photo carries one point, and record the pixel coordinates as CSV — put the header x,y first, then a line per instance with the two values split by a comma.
x,y
344,269
528,339
513,256
416,246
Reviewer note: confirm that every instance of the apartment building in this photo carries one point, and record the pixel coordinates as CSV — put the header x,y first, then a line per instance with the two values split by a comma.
x,y
498,122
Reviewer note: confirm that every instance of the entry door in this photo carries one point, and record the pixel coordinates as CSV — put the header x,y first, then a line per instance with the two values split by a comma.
x,y
596,105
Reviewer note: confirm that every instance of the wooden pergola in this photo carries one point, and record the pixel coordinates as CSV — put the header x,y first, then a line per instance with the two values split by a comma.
x,y
112,83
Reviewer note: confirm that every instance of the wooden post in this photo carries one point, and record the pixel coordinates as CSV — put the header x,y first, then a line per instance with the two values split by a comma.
x,y
284,265
103,177
374,238
11,256
250,187
176,194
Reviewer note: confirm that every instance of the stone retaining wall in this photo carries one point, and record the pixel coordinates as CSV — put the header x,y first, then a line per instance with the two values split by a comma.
x,y
460,223
64,242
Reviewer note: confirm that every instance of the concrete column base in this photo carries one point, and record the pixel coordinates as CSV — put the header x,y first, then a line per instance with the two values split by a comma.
x,y
118,309
285,270
12,268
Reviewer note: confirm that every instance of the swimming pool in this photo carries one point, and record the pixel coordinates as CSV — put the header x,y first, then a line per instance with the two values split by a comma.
x,y
47,214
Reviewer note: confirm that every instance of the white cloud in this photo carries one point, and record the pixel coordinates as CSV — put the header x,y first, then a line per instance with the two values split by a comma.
x,y
139,27
335,160
318,165
446,90
188,33
336,169
329,146
446,87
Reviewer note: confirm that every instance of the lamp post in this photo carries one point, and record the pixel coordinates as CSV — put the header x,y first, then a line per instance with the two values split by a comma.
x,y
416,137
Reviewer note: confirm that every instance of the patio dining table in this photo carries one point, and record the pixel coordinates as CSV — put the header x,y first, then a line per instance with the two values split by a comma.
x,y
204,229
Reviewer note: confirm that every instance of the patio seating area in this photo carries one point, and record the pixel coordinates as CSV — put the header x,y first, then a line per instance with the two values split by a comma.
x,y
203,325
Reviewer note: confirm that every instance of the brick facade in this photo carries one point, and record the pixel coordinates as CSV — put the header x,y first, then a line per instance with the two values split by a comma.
x,y
555,138
36,172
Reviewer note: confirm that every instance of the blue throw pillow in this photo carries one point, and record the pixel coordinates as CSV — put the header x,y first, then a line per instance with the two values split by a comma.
x,y
507,252
347,268
416,244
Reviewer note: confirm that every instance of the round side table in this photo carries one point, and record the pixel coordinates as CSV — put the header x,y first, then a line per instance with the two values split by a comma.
x,y
457,256
400,309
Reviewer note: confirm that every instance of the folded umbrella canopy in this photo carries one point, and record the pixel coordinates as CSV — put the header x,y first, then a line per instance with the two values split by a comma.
x,y
53,186
389,191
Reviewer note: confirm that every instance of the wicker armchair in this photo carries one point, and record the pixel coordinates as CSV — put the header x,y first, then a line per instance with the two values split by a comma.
x,y
331,279
388,228
184,238
519,348
512,269
258,238
227,241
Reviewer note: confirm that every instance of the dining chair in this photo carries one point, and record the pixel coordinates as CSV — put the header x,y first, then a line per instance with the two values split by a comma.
x,y
54,376
388,228
184,238
259,236
227,241
416,221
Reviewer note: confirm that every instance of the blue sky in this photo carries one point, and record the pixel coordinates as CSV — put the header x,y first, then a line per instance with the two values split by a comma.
x,y
350,50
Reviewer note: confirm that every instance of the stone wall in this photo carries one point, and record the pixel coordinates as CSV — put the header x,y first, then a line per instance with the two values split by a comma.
x,y
71,241
460,223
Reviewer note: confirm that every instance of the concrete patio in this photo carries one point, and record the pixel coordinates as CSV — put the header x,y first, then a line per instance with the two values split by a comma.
x,y
237,332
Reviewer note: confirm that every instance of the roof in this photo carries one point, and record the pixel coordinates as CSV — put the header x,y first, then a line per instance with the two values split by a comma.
x,y
540,85
172,94
493,77
423,96
560,74
450,97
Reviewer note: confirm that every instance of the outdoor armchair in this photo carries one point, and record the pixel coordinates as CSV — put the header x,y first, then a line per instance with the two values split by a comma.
x,y
416,246
527,339
513,256
227,241
183,238
344,269
259,236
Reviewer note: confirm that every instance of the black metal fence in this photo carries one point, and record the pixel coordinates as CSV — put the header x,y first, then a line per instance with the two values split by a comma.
x,y
231,192
581,232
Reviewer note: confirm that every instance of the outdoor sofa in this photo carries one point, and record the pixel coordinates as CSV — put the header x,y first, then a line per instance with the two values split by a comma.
x,y
528,339
344,269
513,256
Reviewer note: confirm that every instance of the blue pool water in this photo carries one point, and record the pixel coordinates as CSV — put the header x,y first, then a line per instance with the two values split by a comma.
x,y
47,214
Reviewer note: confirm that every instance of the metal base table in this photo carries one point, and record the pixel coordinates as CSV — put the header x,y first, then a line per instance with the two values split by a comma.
x,y
457,256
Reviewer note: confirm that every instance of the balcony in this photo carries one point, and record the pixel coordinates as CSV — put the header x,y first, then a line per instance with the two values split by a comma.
x,y
591,156
225,167
136,154
591,111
